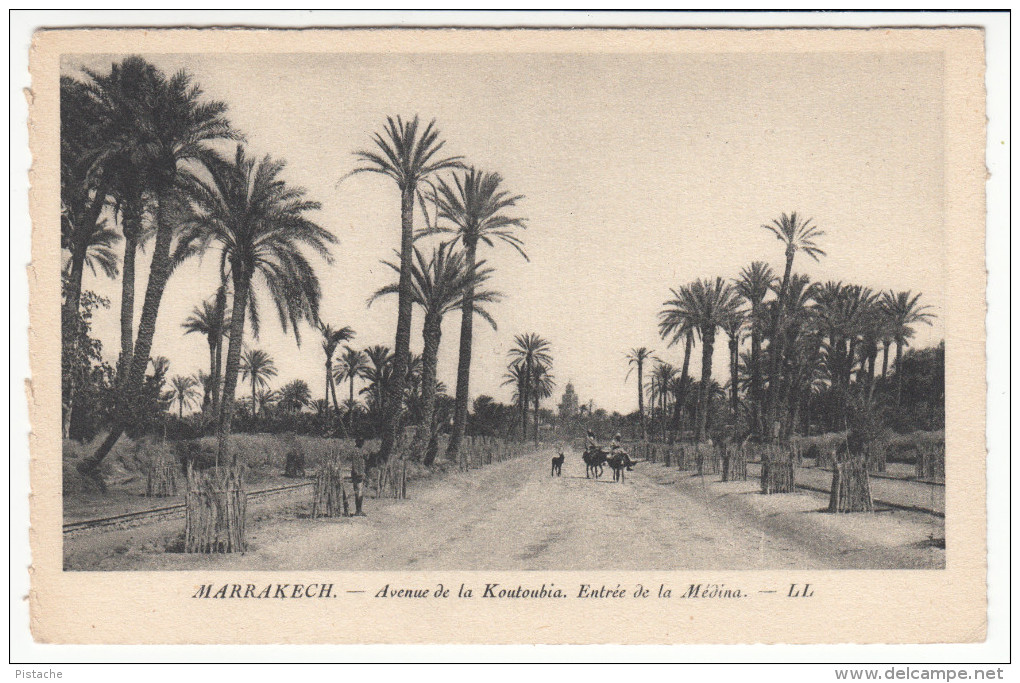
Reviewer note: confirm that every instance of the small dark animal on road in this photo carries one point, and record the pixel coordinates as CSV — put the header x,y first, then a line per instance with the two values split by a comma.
x,y
557,465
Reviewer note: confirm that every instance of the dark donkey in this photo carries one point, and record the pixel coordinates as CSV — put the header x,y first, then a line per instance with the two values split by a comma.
x,y
594,462
557,465
620,462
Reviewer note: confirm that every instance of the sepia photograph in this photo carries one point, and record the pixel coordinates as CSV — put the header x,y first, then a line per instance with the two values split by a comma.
x,y
553,317
449,316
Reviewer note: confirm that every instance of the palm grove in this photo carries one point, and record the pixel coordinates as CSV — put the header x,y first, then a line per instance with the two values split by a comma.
x,y
152,166
803,356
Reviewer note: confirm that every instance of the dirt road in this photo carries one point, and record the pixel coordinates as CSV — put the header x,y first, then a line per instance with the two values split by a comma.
x,y
513,515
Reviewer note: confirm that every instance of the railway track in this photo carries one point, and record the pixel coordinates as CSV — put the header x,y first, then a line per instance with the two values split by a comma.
x,y
129,519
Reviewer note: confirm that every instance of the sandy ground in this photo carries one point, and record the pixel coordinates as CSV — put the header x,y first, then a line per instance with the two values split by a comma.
x,y
513,515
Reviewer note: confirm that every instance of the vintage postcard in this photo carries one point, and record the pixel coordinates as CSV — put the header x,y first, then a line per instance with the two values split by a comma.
x,y
508,336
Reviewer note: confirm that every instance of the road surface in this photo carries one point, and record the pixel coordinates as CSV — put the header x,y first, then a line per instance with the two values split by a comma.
x,y
513,516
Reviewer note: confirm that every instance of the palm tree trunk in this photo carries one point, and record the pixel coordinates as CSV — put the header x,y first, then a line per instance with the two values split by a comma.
x,y
207,390
756,393
536,402
885,358
684,371
467,309
899,371
159,273
127,299
402,344
707,346
734,371
221,314
641,399
242,284
325,391
432,333
772,399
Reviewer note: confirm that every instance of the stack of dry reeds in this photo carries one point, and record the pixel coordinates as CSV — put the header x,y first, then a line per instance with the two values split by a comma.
x,y
215,511
734,463
851,488
162,476
777,471
391,480
930,461
330,496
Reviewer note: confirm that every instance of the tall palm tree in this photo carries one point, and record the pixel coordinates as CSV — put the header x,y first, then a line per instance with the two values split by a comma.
x,y
707,305
257,366
797,234
475,206
734,328
441,284
84,191
172,131
353,365
331,338
120,95
531,350
540,385
754,284
408,157
183,392
517,376
904,311
637,359
206,320
261,224
673,327
660,387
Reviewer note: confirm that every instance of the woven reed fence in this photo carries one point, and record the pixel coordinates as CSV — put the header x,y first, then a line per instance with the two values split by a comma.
x,y
391,480
851,488
930,462
215,506
330,497
161,480
734,463
777,469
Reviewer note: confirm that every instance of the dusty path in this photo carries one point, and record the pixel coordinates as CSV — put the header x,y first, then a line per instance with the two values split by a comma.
x,y
512,515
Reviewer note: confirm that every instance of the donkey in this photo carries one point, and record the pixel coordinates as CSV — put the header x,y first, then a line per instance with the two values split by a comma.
x,y
620,462
594,462
557,465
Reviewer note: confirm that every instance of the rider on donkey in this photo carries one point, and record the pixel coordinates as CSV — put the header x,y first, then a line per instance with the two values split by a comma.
x,y
616,449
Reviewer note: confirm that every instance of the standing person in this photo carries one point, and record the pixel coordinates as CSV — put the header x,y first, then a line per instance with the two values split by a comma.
x,y
358,476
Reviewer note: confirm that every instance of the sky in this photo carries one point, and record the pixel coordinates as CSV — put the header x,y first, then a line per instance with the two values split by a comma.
x,y
640,173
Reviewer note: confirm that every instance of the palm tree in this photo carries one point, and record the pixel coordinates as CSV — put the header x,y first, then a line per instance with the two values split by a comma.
x,y
206,319
408,158
637,358
797,234
517,376
734,328
171,132
439,285
258,366
673,327
261,224
295,395
540,385
266,399
84,191
353,364
754,284
476,207
659,388
331,338
904,313
183,392
706,305
531,350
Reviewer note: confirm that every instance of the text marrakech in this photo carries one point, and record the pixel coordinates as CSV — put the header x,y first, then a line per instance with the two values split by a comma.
x,y
272,590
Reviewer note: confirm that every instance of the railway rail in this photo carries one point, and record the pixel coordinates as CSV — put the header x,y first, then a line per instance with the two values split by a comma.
x,y
166,512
